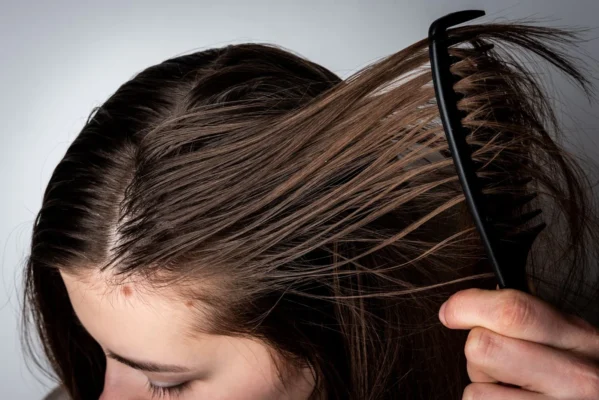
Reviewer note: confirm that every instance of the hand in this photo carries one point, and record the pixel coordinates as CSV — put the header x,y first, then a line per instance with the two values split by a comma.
x,y
520,340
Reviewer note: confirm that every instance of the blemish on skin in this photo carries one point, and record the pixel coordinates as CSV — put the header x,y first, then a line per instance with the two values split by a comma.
x,y
126,291
189,303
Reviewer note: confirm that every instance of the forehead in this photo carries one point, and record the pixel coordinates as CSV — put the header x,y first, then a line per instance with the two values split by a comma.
x,y
131,318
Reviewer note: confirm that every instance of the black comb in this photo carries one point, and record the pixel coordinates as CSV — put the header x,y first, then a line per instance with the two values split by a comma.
x,y
508,255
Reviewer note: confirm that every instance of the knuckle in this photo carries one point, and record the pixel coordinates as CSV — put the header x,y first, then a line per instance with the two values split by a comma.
x,y
514,309
475,374
585,378
475,391
482,346
585,327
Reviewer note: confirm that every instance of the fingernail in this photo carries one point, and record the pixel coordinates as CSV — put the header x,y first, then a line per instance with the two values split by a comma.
x,y
442,313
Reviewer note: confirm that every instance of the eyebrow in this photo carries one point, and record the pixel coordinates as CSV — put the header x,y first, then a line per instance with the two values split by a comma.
x,y
147,366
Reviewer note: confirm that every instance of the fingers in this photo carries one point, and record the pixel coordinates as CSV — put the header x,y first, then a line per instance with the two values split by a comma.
x,y
477,375
521,340
532,366
489,391
521,316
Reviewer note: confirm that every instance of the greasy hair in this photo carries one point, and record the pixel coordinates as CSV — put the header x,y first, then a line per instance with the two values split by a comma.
x,y
319,215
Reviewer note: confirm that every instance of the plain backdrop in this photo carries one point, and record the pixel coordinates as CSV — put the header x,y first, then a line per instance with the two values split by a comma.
x,y
59,59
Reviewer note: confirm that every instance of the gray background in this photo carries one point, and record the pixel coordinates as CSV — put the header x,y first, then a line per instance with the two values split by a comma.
x,y
59,59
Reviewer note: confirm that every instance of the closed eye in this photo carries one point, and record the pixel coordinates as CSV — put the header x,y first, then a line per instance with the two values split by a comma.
x,y
159,391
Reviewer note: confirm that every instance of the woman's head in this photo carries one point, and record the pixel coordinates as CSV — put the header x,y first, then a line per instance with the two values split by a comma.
x,y
153,346
123,308
269,231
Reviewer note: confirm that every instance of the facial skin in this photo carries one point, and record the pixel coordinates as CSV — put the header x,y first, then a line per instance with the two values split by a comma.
x,y
149,327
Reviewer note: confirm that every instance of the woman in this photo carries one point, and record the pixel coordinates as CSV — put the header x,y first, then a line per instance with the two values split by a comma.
x,y
240,223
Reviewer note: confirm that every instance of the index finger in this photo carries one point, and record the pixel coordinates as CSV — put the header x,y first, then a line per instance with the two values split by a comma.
x,y
519,315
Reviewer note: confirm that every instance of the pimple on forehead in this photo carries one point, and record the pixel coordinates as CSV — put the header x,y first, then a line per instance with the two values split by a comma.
x,y
126,290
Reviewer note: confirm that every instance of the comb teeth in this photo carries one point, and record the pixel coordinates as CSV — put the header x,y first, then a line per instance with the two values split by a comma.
x,y
485,47
516,238
523,240
523,181
506,222
528,236
511,201
508,257
519,202
515,251
526,217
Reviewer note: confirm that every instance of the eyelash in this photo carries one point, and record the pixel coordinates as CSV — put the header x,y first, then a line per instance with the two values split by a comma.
x,y
160,392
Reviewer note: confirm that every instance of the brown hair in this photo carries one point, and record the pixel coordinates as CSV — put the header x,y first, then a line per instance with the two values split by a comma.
x,y
325,214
